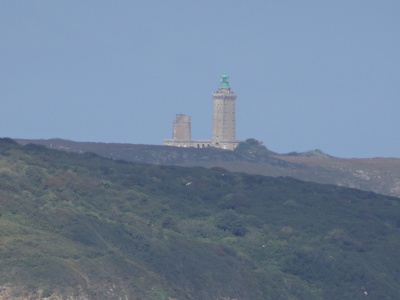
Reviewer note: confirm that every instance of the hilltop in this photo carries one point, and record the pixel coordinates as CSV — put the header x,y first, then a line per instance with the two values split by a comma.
x,y
87,227
380,175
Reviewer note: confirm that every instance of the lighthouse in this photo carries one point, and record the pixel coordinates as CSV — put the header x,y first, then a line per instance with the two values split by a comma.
x,y
223,123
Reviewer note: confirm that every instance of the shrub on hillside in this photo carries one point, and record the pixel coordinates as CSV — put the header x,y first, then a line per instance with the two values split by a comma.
x,y
231,222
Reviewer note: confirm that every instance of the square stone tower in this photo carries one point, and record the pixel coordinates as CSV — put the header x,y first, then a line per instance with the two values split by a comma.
x,y
182,128
223,126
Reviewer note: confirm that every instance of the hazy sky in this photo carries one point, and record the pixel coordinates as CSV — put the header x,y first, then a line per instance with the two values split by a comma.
x,y
308,74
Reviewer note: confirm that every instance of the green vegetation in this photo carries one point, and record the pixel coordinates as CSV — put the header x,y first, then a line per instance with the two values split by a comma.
x,y
253,147
75,224
310,153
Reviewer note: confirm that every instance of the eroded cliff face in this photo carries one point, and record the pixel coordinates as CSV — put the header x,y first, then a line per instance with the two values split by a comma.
x,y
98,291
7,292
17,293
380,175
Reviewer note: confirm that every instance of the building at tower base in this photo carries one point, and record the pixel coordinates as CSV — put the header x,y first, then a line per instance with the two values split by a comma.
x,y
223,126
181,135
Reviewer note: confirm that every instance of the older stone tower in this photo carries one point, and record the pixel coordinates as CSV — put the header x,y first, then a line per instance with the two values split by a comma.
x,y
223,126
181,128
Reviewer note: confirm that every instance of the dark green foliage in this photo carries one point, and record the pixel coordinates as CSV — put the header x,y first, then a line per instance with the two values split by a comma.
x,y
155,232
4,142
252,146
231,222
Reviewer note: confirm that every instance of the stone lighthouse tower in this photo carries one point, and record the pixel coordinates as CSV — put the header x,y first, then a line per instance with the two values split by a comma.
x,y
223,126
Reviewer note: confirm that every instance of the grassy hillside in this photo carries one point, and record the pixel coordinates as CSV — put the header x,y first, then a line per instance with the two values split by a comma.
x,y
79,224
380,175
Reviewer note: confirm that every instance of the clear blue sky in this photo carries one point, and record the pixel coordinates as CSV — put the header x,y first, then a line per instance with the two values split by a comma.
x,y
308,74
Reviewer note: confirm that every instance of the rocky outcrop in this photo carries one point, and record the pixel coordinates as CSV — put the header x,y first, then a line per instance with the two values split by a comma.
x,y
13,293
